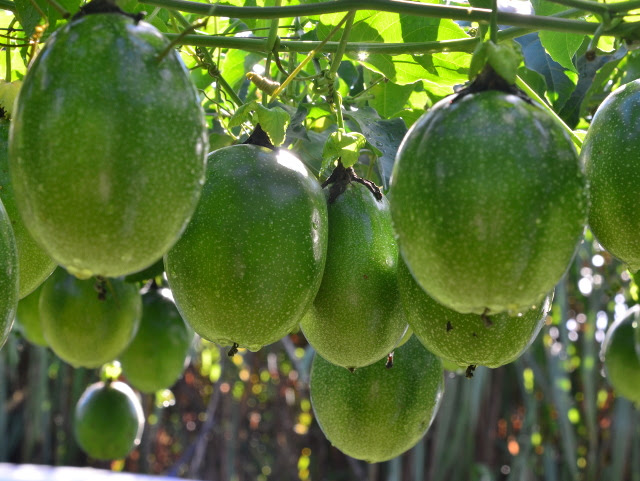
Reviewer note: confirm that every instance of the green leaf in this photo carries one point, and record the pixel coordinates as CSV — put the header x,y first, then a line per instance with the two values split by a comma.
x,y
274,122
441,72
29,17
384,135
561,46
505,58
344,146
389,98
243,114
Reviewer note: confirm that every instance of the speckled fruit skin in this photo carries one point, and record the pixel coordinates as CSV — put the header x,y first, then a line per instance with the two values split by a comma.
x,y
489,202
156,357
621,361
33,263
8,276
466,339
82,329
108,420
610,155
356,318
28,318
251,260
376,413
107,146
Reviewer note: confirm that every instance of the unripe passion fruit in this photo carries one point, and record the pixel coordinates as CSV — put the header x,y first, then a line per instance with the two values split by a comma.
x,y
108,420
356,317
33,263
621,361
489,202
88,322
107,146
468,339
8,276
610,154
156,356
250,262
376,413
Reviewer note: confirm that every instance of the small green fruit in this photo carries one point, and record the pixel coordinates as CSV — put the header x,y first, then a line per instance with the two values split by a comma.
x,y
108,420
8,276
468,339
33,263
489,202
356,318
28,317
250,262
609,153
376,413
621,361
156,357
107,146
84,327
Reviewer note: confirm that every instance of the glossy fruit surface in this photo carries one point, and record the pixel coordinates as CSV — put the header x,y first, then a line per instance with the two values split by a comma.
x,y
376,413
612,165
28,317
156,357
250,262
356,318
108,420
621,361
107,146
83,329
489,202
8,276
468,339
33,263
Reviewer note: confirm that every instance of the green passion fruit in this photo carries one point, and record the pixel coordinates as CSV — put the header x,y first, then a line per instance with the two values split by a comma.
x,y
33,263
156,356
356,317
609,153
108,420
251,260
28,318
621,361
107,146
376,413
8,276
88,322
468,339
489,202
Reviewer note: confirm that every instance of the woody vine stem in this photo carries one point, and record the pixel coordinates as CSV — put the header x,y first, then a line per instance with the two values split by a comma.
x,y
525,23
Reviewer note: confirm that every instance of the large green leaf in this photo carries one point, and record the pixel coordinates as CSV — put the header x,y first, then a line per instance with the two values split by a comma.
x,y
561,46
440,71
389,98
382,134
28,15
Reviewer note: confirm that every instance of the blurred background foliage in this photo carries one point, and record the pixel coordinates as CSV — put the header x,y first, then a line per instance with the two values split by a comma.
x,y
550,415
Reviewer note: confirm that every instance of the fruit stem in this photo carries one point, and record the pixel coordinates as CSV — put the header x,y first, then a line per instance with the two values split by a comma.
x,y
344,40
340,179
532,94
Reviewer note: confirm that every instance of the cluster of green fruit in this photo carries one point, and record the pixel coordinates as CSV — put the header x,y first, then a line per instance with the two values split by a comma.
x,y
109,173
